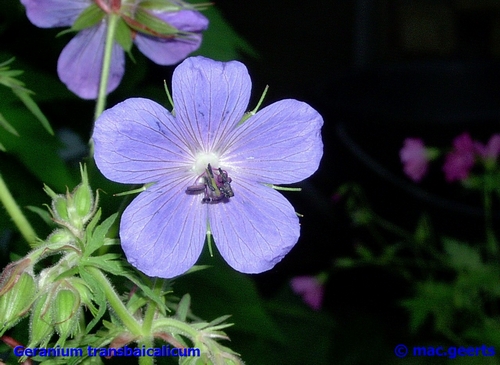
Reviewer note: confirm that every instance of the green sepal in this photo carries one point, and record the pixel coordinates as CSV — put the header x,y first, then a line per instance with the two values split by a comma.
x,y
145,22
163,6
16,301
60,208
41,323
66,313
88,18
83,200
123,35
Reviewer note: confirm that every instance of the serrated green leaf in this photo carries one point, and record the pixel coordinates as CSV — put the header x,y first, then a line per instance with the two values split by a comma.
x,y
183,307
91,226
97,239
44,214
431,298
11,73
110,263
107,262
99,297
33,108
461,255
6,63
7,126
236,295
88,18
423,230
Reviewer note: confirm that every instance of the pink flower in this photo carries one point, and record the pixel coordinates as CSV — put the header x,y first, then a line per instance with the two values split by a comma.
x,y
491,150
415,158
460,160
310,288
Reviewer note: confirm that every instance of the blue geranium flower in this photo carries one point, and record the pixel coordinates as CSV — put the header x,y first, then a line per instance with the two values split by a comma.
x,y
80,63
194,155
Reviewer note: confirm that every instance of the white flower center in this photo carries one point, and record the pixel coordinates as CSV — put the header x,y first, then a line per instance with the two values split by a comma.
x,y
202,160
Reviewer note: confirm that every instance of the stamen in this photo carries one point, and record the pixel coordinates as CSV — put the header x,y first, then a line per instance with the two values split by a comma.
x,y
215,183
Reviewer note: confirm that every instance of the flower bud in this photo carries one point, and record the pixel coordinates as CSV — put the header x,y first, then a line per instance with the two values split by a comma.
x,y
60,237
60,208
41,322
74,210
16,300
66,312
83,200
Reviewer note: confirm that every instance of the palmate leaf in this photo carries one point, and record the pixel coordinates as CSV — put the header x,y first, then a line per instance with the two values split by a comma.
x,y
113,264
431,298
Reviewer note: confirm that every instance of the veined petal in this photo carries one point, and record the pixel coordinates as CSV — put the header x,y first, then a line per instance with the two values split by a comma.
x,y
54,13
137,141
210,98
163,230
281,144
255,229
164,51
80,63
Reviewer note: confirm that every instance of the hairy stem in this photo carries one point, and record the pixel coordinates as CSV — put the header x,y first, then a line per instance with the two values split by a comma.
x,y
115,302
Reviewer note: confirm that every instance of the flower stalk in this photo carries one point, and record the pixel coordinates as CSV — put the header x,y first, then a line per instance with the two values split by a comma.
x,y
112,20
115,302
16,214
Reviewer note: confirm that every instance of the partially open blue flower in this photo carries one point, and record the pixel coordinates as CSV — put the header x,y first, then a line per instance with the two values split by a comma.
x,y
199,147
80,63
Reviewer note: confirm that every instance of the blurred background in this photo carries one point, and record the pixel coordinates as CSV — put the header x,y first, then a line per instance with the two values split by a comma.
x,y
378,71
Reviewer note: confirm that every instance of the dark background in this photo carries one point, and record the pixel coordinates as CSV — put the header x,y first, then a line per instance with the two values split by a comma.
x,y
378,72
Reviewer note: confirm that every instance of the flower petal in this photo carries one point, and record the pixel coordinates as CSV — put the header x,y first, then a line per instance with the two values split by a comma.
x,y
281,144
210,98
163,230
255,229
170,51
137,141
80,63
54,13
414,157
310,289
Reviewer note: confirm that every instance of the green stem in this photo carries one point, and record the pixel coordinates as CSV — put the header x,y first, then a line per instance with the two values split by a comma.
x,y
147,324
106,63
488,220
115,302
16,214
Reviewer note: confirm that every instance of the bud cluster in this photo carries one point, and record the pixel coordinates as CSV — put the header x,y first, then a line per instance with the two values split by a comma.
x,y
73,210
57,308
54,296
